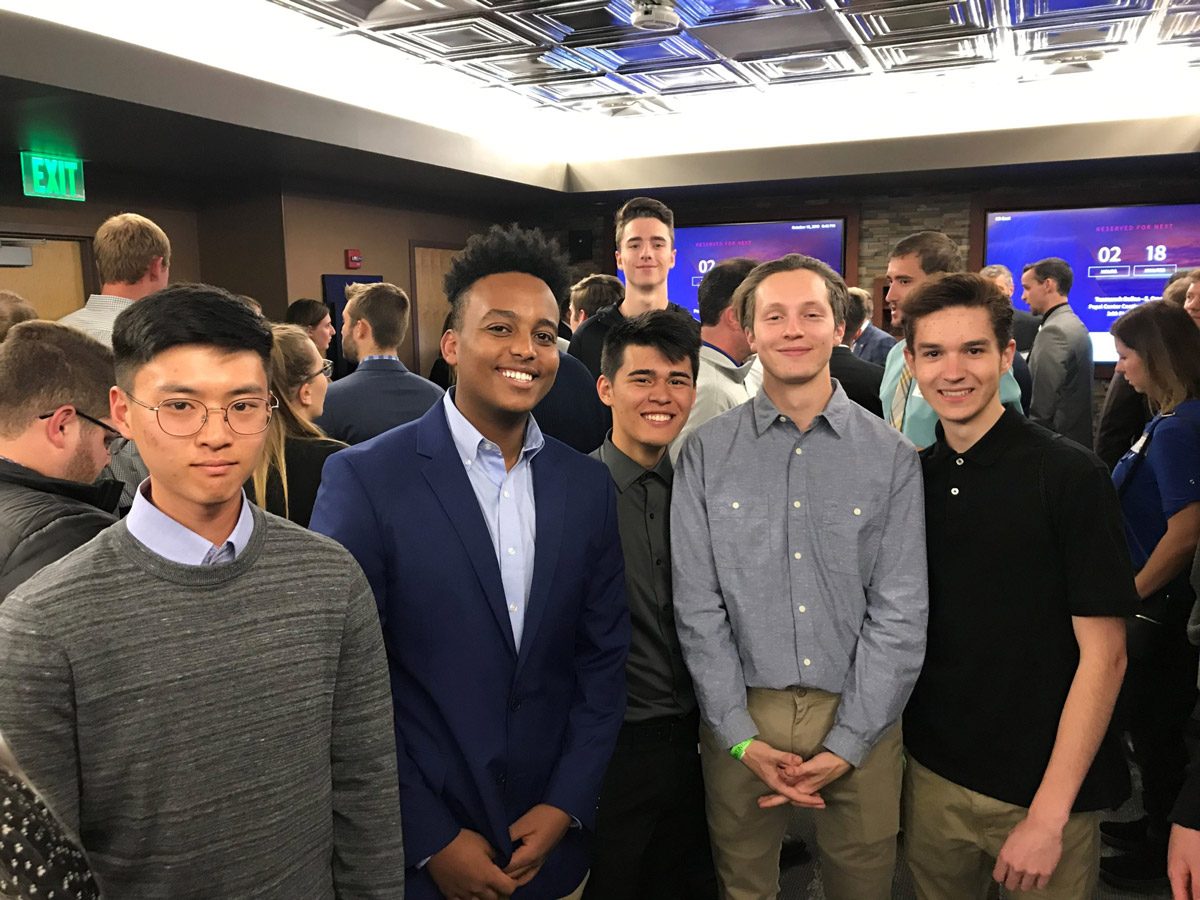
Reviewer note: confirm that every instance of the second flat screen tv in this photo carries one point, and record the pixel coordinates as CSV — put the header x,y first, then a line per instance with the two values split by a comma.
x,y
700,247
1120,256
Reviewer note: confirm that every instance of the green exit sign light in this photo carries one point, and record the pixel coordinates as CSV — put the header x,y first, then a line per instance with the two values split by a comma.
x,y
52,177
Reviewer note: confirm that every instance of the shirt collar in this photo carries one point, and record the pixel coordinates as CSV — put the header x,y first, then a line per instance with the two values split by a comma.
x,y
717,350
165,537
836,412
626,471
390,357
1064,305
108,300
988,449
468,440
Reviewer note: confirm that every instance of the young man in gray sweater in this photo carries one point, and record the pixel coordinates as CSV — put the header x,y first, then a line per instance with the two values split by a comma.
x,y
200,692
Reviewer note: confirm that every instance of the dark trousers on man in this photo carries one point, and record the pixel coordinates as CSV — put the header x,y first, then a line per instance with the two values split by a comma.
x,y
651,834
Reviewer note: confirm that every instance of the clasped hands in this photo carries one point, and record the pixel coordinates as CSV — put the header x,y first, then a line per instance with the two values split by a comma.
x,y
791,778
465,869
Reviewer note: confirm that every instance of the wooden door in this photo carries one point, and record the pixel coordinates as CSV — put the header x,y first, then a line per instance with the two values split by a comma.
x,y
429,266
54,283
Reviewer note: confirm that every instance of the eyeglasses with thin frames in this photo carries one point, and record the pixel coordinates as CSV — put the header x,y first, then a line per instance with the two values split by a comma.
x,y
111,435
184,417
326,370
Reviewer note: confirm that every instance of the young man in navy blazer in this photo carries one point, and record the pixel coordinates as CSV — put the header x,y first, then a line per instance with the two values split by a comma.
x,y
496,563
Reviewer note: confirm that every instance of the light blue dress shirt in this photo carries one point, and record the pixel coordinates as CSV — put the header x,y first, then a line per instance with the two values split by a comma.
x,y
507,503
162,535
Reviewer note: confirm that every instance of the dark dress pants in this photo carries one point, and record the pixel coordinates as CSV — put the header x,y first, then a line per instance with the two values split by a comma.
x,y
651,833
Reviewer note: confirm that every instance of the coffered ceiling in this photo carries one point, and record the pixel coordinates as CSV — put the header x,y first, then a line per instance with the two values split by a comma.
x,y
570,95
585,55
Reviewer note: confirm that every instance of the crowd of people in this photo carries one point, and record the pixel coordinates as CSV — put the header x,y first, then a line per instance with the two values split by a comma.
x,y
595,614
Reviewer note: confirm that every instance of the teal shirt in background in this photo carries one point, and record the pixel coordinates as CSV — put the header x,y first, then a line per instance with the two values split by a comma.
x,y
919,417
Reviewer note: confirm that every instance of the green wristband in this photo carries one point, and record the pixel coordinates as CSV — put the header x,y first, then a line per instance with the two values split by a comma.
x,y
737,751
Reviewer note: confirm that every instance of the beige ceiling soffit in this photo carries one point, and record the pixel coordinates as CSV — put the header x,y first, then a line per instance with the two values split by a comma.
x,y
1094,140
38,51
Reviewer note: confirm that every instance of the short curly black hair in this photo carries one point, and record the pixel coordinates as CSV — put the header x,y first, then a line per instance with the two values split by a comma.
x,y
506,249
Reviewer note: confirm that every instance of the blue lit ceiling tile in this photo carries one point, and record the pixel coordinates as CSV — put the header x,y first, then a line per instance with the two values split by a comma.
x,y
707,12
639,53
1035,12
463,38
525,67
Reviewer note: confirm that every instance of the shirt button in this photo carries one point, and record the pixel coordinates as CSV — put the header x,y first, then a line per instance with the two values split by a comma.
x,y
958,462
798,451
783,418
506,493
512,607
736,505
803,609
796,503
512,551
808,662
954,491
466,462
857,511
797,554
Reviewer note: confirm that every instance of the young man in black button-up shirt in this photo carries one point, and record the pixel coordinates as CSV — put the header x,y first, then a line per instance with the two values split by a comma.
x,y
651,837
1010,753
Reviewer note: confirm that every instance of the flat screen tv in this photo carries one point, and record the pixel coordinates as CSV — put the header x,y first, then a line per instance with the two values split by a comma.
x,y
700,247
1120,255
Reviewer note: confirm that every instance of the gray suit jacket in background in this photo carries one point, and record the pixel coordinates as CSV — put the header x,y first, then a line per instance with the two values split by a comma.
x,y
1061,364
380,394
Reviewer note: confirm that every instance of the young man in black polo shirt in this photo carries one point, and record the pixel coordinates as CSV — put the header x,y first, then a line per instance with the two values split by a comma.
x,y
1010,753
651,837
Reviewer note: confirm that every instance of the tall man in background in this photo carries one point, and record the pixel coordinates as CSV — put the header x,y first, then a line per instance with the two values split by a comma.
x,y
1061,359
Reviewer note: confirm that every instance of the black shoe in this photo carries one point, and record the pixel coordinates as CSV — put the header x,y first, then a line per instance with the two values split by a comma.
x,y
1125,835
1144,871
794,852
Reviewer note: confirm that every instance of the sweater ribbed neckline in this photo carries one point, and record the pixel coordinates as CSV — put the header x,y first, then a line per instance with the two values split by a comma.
x,y
192,576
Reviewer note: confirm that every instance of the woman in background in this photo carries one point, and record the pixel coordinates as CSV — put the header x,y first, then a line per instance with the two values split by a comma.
x,y
289,473
38,858
313,317
1158,480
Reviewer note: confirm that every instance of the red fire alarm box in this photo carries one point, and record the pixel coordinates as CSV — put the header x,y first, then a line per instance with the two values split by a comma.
x,y
354,259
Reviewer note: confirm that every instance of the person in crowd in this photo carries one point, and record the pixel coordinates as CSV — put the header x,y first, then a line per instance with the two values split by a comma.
x,y
500,585
1061,359
55,431
14,309
1125,412
133,258
651,840
591,294
1183,849
1025,325
381,393
915,260
859,379
314,317
725,356
1015,795
251,302
288,473
871,343
645,239
1158,352
197,738
802,496
38,857
570,412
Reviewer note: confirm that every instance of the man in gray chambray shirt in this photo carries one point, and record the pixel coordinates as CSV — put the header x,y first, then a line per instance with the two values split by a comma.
x,y
798,551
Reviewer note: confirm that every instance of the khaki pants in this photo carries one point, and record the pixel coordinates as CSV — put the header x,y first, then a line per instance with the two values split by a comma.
x,y
952,837
856,832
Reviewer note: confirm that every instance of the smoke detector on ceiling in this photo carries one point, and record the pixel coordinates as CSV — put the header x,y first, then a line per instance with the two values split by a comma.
x,y
654,15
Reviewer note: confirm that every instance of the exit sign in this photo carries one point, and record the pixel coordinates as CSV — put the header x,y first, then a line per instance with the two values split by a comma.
x,y
52,177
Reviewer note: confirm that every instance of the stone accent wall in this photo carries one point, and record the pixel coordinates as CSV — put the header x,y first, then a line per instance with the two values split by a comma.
x,y
888,218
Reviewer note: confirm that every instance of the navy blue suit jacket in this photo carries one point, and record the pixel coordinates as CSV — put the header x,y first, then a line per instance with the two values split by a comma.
x,y
873,344
484,732
378,395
